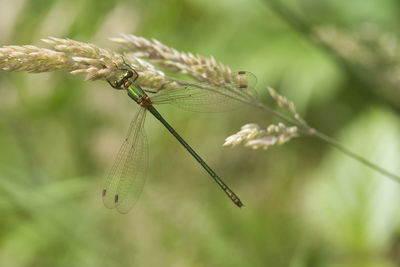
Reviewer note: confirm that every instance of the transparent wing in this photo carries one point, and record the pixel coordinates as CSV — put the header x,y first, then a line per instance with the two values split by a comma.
x,y
202,97
193,98
125,181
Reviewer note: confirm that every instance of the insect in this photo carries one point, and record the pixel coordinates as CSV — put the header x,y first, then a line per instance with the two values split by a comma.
x,y
127,176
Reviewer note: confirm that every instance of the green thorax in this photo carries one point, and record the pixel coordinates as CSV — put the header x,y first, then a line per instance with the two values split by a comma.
x,y
135,92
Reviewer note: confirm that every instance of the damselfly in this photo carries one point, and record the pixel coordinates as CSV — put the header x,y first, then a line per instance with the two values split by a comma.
x,y
127,176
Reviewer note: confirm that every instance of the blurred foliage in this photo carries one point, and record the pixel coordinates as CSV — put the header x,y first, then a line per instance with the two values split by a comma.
x,y
306,204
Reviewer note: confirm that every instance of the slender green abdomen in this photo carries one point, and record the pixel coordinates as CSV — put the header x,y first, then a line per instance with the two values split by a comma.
x,y
224,187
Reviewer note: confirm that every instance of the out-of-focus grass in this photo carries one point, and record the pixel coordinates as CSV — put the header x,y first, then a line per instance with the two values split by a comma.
x,y
305,204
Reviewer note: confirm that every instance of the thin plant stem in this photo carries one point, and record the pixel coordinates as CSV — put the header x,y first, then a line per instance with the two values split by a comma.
x,y
353,155
307,130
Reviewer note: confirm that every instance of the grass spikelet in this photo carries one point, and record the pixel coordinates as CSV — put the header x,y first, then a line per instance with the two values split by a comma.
x,y
255,137
79,58
282,101
202,69
34,59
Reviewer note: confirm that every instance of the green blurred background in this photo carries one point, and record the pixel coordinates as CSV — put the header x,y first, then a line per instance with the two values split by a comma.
x,y
306,204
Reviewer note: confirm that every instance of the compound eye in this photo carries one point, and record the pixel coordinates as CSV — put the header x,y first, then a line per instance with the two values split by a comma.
x,y
129,74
